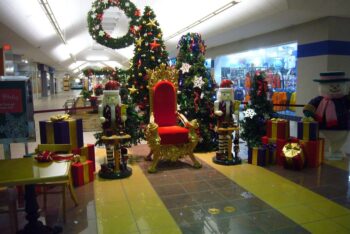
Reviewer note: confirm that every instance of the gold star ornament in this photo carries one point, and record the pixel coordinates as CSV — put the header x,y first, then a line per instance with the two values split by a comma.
x,y
139,41
132,89
152,23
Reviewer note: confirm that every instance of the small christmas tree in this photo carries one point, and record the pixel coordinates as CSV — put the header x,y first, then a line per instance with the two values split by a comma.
x,y
196,90
148,54
132,117
256,112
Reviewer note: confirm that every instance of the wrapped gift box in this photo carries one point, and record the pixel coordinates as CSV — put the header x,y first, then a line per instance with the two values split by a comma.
x,y
293,156
82,173
86,153
314,152
279,146
307,130
271,154
277,129
68,131
257,156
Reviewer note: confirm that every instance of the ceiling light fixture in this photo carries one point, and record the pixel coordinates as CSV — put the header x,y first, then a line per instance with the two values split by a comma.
x,y
97,58
50,15
205,18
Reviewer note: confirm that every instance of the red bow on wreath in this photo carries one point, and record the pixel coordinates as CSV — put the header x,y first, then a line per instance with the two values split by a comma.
x,y
262,87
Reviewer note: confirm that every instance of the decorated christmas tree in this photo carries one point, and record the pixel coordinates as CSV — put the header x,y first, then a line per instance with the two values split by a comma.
x,y
148,54
256,112
196,90
132,116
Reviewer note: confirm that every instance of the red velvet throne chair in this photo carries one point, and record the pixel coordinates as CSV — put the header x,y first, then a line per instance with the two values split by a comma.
x,y
167,139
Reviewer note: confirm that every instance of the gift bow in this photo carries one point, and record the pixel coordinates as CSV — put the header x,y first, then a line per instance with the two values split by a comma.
x,y
308,119
45,156
277,119
291,150
56,118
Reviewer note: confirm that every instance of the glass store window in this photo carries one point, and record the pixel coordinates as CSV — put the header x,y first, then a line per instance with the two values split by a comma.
x,y
279,64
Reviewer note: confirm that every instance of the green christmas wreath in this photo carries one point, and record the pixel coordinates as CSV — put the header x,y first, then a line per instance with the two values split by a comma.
x,y
95,17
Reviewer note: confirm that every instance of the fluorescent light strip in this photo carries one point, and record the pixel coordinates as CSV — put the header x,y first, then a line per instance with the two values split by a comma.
x,y
52,19
205,18
97,58
54,23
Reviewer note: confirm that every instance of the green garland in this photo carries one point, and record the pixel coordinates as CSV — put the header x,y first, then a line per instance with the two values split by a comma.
x,y
107,71
95,16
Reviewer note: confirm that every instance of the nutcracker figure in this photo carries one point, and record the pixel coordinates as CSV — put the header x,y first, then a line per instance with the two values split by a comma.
x,y
226,108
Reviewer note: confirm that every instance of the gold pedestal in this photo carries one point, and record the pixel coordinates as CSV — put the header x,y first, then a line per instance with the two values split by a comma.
x,y
227,158
116,172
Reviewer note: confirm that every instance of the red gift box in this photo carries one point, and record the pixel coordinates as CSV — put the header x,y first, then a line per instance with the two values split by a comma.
x,y
87,153
314,152
277,128
82,173
279,146
293,156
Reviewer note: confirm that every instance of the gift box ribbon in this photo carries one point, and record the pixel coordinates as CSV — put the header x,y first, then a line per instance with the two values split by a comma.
x,y
86,172
63,117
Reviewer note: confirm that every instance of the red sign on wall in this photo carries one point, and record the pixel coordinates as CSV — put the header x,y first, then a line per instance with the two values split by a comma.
x,y
11,101
6,47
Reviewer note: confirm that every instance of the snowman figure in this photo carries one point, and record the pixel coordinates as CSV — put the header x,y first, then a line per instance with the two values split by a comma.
x,y
332,110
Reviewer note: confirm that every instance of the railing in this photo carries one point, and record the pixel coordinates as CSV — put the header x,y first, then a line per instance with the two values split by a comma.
x,y
69,106
73,109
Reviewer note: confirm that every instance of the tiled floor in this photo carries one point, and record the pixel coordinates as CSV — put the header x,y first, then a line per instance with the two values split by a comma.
x,y
206,201
214,199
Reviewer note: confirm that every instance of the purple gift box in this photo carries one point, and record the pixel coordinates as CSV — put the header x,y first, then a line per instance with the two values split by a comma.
x,y
62,132
307,130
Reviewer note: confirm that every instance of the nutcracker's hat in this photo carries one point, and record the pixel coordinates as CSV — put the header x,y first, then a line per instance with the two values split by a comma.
x,y
225,86
111,88
332,77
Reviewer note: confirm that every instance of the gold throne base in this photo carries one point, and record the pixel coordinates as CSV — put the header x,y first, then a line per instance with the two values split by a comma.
x,y
171,152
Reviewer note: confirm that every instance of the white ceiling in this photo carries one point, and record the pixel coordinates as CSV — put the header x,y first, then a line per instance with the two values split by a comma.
x,y
24,25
